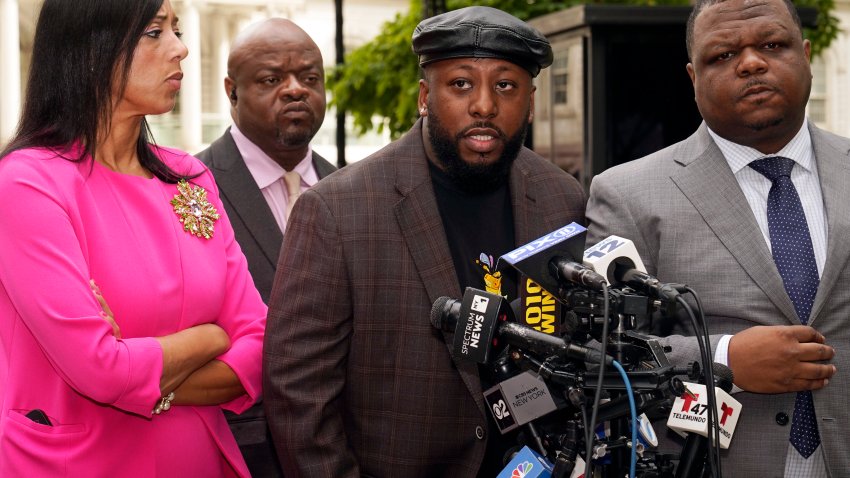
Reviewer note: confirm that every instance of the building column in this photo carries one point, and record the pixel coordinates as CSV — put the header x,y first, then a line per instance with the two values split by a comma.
x,y
222,32
190,93
10,79
840,91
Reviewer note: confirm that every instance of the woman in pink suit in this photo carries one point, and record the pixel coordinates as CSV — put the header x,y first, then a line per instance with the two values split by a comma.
x,y
128,319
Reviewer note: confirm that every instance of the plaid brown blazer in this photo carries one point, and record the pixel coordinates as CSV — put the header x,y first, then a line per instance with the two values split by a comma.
x,y
357,381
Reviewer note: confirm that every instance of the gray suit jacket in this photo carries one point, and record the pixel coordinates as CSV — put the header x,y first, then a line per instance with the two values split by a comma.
x,y
692,224
356,380
255,227
260,238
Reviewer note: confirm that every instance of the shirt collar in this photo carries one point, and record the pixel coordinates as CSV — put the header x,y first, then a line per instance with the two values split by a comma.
x,y
266,170
799,149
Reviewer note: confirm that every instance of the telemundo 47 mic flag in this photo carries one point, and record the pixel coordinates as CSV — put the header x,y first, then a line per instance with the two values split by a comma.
x,y
690,411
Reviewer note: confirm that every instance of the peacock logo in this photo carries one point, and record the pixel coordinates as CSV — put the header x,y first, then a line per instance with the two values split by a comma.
x,y
522,469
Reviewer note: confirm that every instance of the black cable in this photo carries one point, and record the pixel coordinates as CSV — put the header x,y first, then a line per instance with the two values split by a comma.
x,y
536,437
584,418
716,430
590,432
706,360
708,373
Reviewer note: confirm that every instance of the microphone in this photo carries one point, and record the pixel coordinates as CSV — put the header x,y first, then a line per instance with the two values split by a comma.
x,y
643,282
549,262
575,273
688,419
611,252
618,260
443,311
483,317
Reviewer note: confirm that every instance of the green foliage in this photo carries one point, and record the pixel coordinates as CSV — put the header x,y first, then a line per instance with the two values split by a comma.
x,y
827,24
525,9
381,78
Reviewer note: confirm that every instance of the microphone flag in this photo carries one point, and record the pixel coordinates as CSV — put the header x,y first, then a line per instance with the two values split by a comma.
x,y
690,412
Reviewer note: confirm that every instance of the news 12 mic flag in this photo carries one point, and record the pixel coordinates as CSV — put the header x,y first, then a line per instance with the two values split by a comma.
x,y
690,413
611,251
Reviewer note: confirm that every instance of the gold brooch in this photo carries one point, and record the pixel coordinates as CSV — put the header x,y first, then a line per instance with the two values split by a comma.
x,y
196,213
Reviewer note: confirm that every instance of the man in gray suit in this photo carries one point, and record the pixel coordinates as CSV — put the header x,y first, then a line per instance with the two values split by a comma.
x,y
275,82
716,212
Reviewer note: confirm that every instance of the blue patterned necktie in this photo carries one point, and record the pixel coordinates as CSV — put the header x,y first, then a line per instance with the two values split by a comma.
x,y
794,256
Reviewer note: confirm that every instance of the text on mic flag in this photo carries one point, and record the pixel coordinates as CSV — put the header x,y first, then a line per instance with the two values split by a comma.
x,y
690,413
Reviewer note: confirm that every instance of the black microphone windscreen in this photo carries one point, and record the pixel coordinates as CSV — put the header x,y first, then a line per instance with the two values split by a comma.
x,y
722,376
439,310
570,323
620,267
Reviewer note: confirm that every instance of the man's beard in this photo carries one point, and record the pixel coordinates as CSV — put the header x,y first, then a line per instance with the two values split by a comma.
x,y
293,138
763,125
294,134
473,178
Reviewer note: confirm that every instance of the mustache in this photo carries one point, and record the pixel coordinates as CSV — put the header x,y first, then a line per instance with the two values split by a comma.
x,y
482,125
754,82
295,106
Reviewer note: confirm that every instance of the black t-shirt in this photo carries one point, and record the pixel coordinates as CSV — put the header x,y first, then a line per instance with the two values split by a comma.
x,y
480,228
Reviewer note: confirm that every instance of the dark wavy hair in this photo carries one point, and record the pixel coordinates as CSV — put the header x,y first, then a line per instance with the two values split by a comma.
x,y
82,52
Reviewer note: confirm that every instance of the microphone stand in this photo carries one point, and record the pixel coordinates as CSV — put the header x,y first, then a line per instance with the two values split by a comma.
x,y
692,459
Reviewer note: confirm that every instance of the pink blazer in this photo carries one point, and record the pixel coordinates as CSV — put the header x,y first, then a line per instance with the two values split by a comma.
x,y
64,223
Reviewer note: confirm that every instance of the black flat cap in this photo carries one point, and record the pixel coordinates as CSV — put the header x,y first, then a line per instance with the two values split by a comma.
x,y
481,32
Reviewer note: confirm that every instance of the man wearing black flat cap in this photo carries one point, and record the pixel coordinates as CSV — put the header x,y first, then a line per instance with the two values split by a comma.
x,y
357,381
